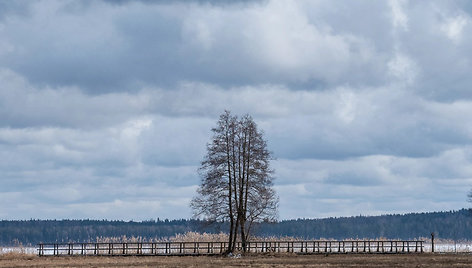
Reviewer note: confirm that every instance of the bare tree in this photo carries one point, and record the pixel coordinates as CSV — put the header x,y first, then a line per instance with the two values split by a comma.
x,y
236,178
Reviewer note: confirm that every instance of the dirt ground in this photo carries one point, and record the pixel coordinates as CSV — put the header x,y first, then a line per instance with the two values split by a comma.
x,y
260,260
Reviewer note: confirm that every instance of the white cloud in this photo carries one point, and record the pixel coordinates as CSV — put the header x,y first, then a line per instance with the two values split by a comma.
x,y
399,17
453,28
403,68
347,109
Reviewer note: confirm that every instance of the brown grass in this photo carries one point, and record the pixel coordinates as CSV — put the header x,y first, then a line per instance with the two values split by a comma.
x,y
254,260
187,237
197,237
16,256
221,237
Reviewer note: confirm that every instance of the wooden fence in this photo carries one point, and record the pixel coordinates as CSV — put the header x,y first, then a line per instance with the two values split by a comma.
x,y
215,248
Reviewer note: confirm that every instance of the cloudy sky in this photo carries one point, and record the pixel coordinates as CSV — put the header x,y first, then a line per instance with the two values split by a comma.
x,y
106,106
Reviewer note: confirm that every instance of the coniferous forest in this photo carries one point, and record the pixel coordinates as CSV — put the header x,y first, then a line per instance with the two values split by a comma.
x,y
456,225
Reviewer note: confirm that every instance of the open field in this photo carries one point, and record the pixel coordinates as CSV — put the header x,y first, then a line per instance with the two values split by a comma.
x,y
260,260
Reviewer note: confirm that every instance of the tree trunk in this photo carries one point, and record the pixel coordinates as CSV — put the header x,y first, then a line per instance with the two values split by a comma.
x,y
243,236
230,203
230,241
235,234
244,191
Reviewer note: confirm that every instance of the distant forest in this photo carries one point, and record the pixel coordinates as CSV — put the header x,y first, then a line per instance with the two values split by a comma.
x,y
456,225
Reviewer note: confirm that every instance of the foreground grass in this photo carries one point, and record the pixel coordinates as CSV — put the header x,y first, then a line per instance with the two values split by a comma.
x,y
259,260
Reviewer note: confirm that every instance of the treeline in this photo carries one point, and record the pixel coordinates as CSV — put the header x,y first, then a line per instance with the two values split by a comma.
x,y
455,225
30,232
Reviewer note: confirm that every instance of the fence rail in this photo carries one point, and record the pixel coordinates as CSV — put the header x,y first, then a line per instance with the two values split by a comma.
x,y
215,248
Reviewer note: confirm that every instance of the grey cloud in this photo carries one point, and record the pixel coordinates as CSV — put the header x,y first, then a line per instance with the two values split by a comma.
x,y
335,124
366,114
175,141
63,203
212,2
352,179
394,188
26,105
437,39
110,48
311,45
61,169
13,8
370,122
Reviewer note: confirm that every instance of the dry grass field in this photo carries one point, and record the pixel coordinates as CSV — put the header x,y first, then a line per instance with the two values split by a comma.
x,y
260,260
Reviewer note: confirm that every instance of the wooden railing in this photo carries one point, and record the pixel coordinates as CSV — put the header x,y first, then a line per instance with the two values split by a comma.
x,y
214,248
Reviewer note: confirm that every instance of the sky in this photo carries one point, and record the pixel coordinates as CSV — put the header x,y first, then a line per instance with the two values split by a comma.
x,y
106,107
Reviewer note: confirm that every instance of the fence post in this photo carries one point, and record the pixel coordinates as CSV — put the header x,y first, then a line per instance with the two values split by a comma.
x,y
432,242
